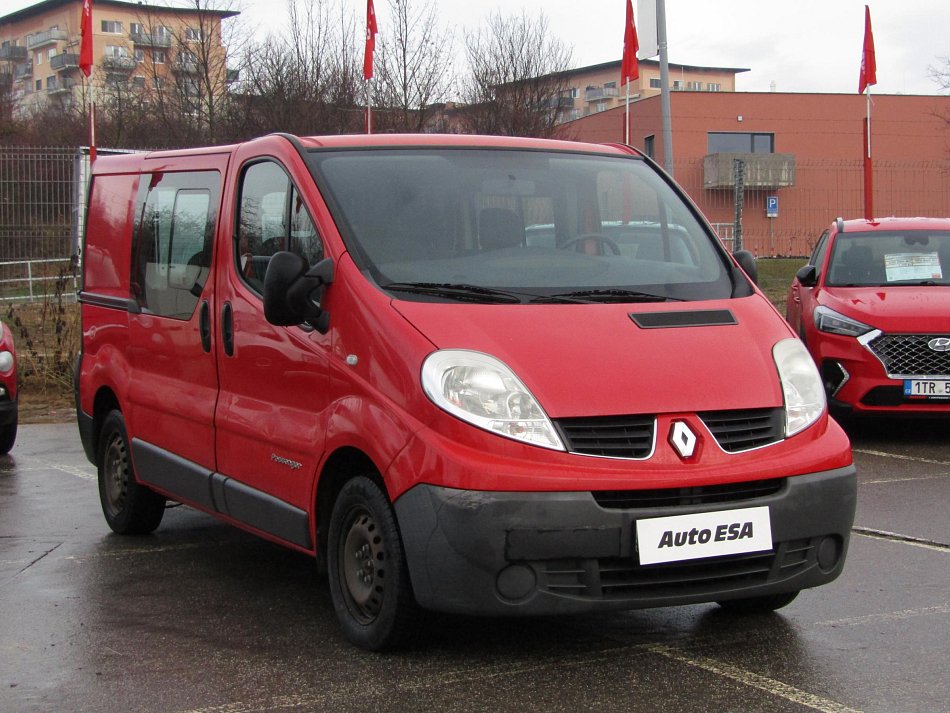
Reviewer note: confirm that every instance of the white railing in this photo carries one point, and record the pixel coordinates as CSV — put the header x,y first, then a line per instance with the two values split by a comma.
x,y
29,280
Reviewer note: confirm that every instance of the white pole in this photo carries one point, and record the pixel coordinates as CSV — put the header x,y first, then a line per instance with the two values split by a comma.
x,y
627,117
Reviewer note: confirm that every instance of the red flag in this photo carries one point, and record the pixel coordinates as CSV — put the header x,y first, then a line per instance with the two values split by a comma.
x,y
85,46
868,65
629,68
370,40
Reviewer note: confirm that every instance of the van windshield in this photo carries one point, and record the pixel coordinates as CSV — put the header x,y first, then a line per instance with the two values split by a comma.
x,y
519,226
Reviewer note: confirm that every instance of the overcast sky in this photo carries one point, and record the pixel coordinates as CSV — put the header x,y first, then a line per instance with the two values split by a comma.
x,y
801,45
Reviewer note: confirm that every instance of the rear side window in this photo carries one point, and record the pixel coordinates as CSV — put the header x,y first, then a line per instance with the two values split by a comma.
x,y
273,217
171,248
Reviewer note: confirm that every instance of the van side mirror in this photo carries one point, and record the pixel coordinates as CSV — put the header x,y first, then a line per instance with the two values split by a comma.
x,y
293,294
807,276
747,262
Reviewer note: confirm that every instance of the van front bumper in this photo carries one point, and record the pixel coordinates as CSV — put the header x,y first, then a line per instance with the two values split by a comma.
x,y
498,553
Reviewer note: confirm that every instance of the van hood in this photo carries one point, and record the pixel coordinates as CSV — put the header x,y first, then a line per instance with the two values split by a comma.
x,y
585,360
906,309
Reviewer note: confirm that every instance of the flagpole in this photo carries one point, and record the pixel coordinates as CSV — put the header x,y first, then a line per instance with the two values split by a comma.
x,y
626,120
369,106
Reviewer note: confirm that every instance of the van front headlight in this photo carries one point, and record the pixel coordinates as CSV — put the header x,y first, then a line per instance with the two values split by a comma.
x,y
801,384
483,391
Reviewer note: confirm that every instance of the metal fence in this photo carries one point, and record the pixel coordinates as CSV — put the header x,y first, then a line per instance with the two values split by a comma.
x,y
41,199
32,280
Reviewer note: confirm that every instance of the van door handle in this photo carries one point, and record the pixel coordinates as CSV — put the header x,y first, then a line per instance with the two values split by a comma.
x,y
227,328
204,325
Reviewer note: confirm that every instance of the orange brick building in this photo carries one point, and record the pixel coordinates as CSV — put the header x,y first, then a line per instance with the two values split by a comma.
x,y
803,150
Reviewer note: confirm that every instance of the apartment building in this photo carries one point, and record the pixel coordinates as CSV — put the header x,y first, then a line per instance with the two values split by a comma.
x,y
597,88
136,45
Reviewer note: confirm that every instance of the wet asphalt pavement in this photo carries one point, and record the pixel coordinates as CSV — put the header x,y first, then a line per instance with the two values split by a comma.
x,y
201,617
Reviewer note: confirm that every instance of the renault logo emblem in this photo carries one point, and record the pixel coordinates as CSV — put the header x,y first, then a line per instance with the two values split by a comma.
x,y
683,439
940,344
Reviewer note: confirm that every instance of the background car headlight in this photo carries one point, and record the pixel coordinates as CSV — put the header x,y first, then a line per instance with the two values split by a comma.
x,y
801,383
483,391
827,320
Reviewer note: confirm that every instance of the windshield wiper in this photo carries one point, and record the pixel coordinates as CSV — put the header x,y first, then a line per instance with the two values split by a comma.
x,y
470,293
609,295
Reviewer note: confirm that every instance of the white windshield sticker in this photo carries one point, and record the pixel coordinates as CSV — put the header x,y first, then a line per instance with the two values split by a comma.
x,y
912,266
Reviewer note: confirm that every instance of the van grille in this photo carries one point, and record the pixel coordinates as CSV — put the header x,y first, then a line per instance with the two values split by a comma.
x,y
609,436
633,436
698,495
906,355
624,578
737,431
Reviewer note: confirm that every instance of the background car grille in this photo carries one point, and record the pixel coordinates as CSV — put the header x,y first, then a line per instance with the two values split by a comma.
x,y
905,355
622,578
633,436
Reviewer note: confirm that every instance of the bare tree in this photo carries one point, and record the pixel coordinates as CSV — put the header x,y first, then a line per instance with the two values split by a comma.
x,y
516,76
307,82
413,67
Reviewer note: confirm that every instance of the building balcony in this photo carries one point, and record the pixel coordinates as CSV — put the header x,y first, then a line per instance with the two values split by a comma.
x,y
13,54
594,93
64,62
23,71
185,67
762,170
50,37
151,40
64,87
119,64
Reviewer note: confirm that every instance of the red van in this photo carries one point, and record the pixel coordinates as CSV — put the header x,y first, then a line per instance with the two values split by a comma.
x,y
469,374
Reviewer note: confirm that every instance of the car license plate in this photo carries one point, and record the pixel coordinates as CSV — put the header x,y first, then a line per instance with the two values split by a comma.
x,y
927,388
708,534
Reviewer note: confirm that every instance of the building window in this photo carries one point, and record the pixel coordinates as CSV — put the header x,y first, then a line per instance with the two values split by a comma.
x,y
38,58
113,27
649,145
740,142
50,83
159,56
192,34
655,83
116,51
138,82
162,32
713,87
139,55
677,85
158,82
50,53
39,85
136,28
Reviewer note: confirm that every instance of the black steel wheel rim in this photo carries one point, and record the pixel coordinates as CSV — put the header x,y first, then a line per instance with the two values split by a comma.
x,y
362,565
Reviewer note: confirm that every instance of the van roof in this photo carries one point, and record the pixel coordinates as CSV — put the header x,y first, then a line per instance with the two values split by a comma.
x,y
132,162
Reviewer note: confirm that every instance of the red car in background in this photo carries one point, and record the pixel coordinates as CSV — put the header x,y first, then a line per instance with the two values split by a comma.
x,y
8,390
873,307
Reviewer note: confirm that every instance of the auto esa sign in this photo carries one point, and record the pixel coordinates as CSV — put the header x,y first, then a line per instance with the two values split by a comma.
x,y
708,534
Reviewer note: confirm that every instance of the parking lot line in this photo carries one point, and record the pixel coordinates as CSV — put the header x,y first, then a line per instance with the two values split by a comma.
x,y
898,456
748,678
887,616
902,539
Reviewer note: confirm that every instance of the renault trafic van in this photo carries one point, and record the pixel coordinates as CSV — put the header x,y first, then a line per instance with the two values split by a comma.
x,y
481,375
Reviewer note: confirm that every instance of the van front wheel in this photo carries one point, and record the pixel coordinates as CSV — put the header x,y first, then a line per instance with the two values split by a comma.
x,y
129,508
369,578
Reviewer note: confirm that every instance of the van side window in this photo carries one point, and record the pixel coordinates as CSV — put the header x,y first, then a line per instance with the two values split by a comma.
x,y
173,237
273,217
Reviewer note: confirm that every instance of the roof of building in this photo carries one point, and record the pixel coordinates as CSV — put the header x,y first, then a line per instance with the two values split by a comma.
x,y
45,5
615,64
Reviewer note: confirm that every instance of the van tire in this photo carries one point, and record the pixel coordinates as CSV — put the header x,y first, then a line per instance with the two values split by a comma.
x,y
369,577
758,605
129,508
